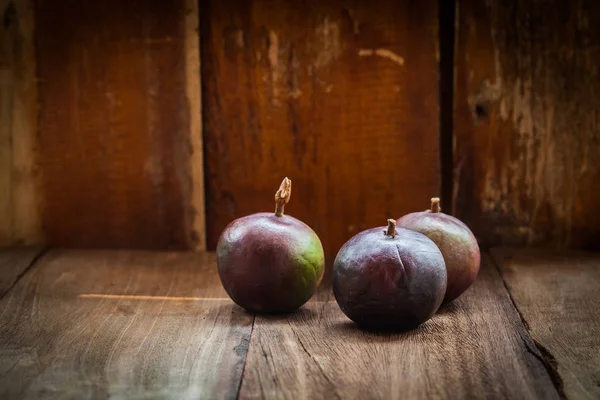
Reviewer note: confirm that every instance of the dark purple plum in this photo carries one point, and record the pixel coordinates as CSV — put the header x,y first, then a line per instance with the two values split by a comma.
x,y
390,278
270,262
456,242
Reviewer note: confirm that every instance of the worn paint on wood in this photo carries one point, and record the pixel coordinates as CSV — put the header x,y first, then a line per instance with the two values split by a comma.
x,y
119,146
20,222
527,136
557,296
339,96
475,348
121,325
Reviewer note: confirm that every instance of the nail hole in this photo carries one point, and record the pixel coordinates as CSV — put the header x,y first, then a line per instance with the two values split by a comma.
x,y
481,111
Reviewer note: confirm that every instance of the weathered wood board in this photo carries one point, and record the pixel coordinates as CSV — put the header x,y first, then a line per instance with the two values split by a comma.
x,y
557,296
526,123
120,145
339,96
121,325
476,348
89,324
20,214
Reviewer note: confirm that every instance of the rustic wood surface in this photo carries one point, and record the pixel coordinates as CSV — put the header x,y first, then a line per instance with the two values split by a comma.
x,y
527,106
119,124
127,324
14,262
340,96
121,324
476,348
557,295
20,221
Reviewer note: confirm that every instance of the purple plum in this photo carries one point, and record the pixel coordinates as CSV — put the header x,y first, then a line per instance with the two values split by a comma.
x,y
270,262
390,278
456,242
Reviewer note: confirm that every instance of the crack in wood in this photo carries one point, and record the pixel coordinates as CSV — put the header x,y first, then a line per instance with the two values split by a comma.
x,y
323,373
542,354
239,388
29,266
552,367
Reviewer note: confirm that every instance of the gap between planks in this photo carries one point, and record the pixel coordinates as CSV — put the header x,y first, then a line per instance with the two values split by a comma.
x,y
241,381
542,354
15,263
556,295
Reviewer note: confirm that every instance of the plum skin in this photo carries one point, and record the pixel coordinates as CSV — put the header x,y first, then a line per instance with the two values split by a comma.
x,y
385,282
270,263
457,244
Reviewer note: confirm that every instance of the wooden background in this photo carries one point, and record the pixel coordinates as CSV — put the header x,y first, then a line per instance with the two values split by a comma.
x,y
117,151
340,96
527,122
105,142
114,132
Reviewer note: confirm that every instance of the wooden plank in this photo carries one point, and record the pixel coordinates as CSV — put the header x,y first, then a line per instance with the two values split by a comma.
x,y
557,295
123,325
14,262
476,348
527,107
20,220
197,230
119,131
340,96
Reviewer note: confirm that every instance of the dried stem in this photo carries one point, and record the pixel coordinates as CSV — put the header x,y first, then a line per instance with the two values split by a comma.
x,y
283,196
391,228
435,205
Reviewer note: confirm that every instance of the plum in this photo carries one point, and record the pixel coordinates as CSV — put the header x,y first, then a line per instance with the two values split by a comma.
x,y
456,242
390,278
270,262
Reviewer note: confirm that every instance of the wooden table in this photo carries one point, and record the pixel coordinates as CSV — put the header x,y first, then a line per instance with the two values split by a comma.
x,y
127,324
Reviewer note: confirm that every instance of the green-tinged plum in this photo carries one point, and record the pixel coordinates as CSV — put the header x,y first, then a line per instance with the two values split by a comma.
x,y
390,278
456,242
270,262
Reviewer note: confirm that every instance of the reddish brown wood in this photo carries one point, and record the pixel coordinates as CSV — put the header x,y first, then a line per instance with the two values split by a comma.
x,y
340,96
114,139
526,121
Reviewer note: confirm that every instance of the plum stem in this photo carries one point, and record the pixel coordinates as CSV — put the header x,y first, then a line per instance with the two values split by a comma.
x,y
435,205
283,196
391,228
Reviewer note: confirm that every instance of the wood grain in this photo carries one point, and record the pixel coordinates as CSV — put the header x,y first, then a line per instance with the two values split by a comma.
x,y
20,218
116,135
526,121
197,230
340,96
14,262
122,325
557,295
476,348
